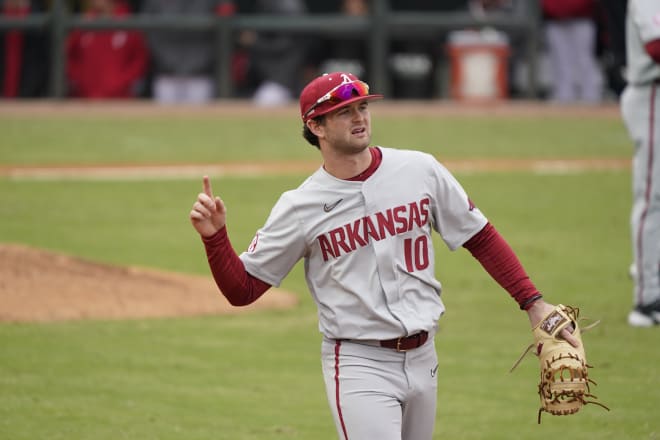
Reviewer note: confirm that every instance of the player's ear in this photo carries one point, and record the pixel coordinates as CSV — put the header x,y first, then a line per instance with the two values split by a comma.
x,y
315,126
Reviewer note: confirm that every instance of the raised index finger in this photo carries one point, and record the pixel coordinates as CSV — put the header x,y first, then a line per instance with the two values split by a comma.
x,y
207,187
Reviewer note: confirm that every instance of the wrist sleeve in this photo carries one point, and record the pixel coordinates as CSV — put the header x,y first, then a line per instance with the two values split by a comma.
x,y
499,260
236,284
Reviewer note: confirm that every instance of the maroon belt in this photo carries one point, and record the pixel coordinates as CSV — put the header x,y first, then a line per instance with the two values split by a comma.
x,y
406,343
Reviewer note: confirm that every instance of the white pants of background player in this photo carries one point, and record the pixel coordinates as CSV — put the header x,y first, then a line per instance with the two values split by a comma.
x,y
640,107
576,74
190,89
377,393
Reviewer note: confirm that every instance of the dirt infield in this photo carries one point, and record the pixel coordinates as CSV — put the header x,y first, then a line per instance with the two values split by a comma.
x,y
38,285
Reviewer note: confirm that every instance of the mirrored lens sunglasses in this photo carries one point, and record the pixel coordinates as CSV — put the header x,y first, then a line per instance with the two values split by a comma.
x,y
341,93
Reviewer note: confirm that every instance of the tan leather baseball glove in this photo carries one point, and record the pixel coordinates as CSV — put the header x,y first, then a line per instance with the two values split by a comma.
x,y
565,385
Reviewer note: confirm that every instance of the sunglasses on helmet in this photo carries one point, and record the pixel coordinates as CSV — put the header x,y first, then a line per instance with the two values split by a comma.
x,y
343,92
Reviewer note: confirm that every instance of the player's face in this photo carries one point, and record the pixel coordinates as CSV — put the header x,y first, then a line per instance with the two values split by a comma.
x,y
348,129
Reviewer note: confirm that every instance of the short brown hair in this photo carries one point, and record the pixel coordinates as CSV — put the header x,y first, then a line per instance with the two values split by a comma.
x,y
311,137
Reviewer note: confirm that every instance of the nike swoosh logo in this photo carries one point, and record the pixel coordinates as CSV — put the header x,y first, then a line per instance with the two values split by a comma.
x,y
328,208
434,371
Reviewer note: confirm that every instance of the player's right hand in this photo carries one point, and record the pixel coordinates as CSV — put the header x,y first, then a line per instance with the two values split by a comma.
x,y
208,214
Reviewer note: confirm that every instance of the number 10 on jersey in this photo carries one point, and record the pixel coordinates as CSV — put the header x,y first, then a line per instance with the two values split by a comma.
x,y
416,252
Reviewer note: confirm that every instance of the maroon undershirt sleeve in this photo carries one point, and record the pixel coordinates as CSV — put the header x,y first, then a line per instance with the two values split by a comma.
x,y
653,49
499,260
239,287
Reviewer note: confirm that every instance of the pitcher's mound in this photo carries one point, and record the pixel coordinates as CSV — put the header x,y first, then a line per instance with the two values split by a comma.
x,y
38,285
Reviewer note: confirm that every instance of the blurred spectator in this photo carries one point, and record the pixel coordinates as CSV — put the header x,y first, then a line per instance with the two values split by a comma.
x,y
570,31
614,50
24,57
183,62
482,8
412,63
503,8
106,63
345,53
277,58
355,8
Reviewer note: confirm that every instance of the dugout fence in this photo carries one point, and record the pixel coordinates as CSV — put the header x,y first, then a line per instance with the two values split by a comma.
x,y
378,29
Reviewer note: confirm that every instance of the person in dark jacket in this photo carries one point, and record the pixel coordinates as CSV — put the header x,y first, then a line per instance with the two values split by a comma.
x,y
183,62
277,57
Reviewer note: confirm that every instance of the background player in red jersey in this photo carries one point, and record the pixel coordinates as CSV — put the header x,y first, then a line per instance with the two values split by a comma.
x,y
108,63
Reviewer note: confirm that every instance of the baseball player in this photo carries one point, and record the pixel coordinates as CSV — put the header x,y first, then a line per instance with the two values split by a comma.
x,y
640,107
362,223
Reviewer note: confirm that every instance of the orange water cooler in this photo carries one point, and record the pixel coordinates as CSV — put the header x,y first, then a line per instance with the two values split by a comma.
x,y
478,65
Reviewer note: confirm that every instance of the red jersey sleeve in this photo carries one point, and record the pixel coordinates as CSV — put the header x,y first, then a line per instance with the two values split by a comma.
x,y
499,260
239,287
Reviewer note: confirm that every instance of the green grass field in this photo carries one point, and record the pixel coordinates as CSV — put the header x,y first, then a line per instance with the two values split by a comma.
x,y
257,376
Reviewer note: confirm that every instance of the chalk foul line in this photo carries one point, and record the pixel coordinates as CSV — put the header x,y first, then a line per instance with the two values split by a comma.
x,y
261,169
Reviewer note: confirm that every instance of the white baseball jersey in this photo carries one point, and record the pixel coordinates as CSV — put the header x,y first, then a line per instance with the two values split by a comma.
x,y
367,250
642,26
